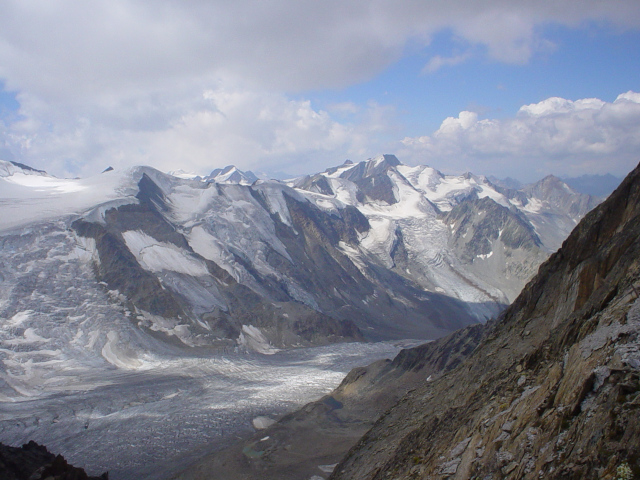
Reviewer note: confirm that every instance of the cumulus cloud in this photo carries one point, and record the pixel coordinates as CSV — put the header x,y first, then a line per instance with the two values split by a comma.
x,y
252,129
564,136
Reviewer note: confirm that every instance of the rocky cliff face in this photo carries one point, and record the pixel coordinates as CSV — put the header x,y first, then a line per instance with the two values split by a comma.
x,y
553,388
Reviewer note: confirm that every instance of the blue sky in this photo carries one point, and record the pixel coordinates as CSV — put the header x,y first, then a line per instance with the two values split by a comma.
x,y
590,61
493,87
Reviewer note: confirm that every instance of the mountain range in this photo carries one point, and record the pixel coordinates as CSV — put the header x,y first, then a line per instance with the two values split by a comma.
x,y
549,389
97,273
374,250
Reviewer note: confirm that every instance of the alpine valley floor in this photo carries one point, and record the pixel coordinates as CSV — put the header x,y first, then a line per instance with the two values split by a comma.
x,y
156,420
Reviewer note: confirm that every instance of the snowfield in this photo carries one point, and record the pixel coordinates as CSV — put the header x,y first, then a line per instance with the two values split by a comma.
x,y
28,197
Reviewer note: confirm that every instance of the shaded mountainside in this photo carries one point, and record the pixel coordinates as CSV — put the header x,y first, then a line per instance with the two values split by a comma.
x,y
287,273
552,391
495,242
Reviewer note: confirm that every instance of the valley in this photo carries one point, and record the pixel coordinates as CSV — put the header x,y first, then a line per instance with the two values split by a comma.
x,y
156,420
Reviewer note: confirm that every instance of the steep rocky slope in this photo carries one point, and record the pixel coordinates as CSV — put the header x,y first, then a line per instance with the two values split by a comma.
x,y
553,389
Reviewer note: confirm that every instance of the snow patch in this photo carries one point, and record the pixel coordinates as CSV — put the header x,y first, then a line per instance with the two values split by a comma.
x,y
205,244
180,173
328,468
260,423
28,337
157,256
47,184
277,203
533,206
168,326
19,318
252,338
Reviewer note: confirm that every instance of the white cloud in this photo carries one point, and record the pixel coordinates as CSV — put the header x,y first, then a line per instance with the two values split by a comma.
x,y
223,125
437,62
72,49
344,108
555,135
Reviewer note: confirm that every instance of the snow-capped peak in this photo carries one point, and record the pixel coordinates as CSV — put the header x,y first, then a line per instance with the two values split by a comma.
x,y
8,169
231,174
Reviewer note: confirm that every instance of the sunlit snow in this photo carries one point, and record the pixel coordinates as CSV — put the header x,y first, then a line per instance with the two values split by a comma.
x,y
158,256
26,198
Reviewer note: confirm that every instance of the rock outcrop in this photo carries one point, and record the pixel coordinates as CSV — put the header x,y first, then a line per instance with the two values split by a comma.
x,y
35,462
552,390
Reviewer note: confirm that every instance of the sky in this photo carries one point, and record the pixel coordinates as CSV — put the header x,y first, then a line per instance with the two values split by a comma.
x,y
518,88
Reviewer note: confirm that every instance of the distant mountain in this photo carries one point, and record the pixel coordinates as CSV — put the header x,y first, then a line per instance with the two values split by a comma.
x,y
184,174
231,174
554,208
596,185
507,182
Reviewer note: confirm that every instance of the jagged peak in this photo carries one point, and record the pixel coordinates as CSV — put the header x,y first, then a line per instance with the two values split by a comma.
x,y
231,174
549,184
550,179
385,159
371,167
